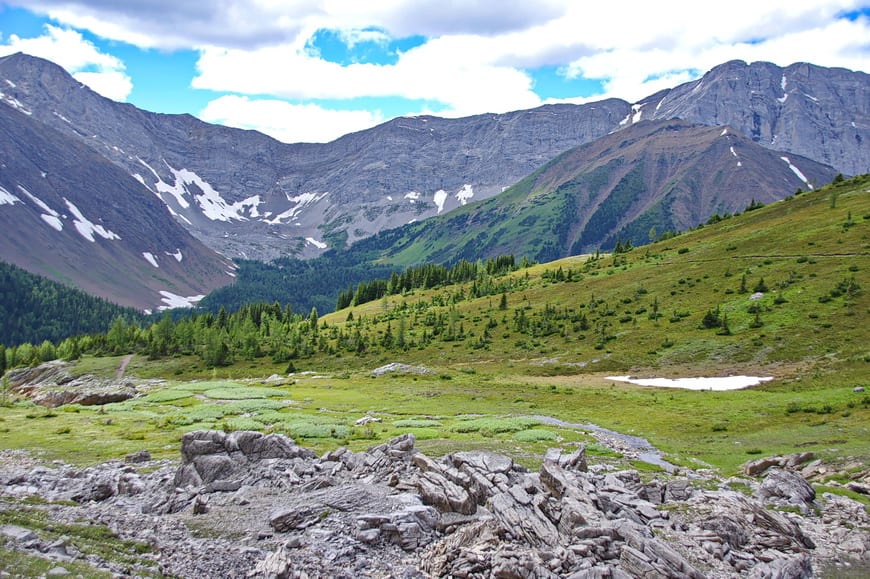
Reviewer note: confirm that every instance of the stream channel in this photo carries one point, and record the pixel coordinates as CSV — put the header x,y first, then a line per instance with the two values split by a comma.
x,y
633,446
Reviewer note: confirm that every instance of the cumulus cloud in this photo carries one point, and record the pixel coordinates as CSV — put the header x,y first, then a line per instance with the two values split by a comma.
x,y
285,121
475,56
101,72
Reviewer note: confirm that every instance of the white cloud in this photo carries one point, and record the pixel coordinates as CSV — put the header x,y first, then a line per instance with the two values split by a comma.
x,y
102,72
285,121
478,55
112,84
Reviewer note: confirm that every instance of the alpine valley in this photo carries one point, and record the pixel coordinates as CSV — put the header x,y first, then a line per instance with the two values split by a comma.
x,y
605,341
147,209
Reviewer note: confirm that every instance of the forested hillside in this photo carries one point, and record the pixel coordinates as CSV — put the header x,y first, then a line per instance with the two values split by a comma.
x,y
34,309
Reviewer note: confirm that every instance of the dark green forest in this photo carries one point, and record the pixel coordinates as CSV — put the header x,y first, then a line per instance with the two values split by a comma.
x,y
280,333
34,309
302,284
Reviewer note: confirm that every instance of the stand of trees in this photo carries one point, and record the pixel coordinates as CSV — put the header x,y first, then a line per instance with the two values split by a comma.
x,y
34,309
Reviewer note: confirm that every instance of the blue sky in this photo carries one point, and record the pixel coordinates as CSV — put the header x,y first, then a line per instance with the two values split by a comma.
x,y
310,70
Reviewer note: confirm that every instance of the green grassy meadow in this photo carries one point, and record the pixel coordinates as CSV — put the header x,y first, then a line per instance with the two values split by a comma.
x,y
780,291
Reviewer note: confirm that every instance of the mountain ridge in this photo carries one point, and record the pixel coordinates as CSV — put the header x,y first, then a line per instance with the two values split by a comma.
x,y
267,198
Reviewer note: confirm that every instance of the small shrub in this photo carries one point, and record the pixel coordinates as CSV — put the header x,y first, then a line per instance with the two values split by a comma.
x,y
535,435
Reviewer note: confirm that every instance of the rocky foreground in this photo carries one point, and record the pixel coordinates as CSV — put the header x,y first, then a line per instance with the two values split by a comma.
x,y
245,504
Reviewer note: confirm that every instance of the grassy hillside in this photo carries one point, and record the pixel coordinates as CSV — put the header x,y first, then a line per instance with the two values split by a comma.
x,y
779,291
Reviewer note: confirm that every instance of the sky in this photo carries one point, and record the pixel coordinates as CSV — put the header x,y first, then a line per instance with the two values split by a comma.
x,y
313,70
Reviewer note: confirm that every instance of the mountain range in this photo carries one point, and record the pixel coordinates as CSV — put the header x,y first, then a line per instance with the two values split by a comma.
x,y
557,180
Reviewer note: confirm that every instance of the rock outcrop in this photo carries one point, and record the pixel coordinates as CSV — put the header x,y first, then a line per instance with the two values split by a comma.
x,y
274,509
51,385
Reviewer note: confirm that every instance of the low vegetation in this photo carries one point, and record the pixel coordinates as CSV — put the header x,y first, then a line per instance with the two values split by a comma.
x,y
781,291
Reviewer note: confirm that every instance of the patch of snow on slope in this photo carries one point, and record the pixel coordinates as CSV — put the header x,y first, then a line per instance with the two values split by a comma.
x,y
783,83
439,198
724,132
39,202
637,113
719,383
733,152
7,198
15,104
465,194
149,257
175,301
61,117
315,243
53,221
9,82
252,203
177,255
86,227
412,195
797,172
178,190
139,178
301,202
209,200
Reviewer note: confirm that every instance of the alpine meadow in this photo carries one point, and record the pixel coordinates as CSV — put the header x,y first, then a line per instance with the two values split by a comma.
x,y
644,354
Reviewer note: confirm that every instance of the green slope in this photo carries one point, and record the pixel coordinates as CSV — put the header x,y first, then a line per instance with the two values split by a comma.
x,y
782,291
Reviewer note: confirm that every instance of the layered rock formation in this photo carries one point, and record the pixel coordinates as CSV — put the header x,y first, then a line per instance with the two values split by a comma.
x,y
270,508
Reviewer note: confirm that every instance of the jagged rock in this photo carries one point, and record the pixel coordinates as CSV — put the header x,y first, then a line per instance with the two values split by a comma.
x,y
50,384
211,455
786,488
759,466
286,513
397,368
138,457
297,517
16,533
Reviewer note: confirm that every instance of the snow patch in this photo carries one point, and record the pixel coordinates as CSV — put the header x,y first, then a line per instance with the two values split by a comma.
x,y
724,132
139,178
315,243
733,152
797,172
211,203
465,194
637,112
149,257
177,255
439,199
53,221
175,301
719,384
783,83
15,103
86,227
412,195
811,97
61,117
9,82
301,201
7,198
39,202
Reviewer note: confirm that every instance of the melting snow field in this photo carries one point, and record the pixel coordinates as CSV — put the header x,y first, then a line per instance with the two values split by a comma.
x,y
718,384
175,301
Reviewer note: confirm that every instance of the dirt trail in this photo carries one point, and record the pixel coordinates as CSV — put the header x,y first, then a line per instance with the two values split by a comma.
x,y
120,373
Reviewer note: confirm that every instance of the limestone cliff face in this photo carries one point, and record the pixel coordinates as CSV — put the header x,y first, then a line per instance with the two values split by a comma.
x,y
246,195
820,113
